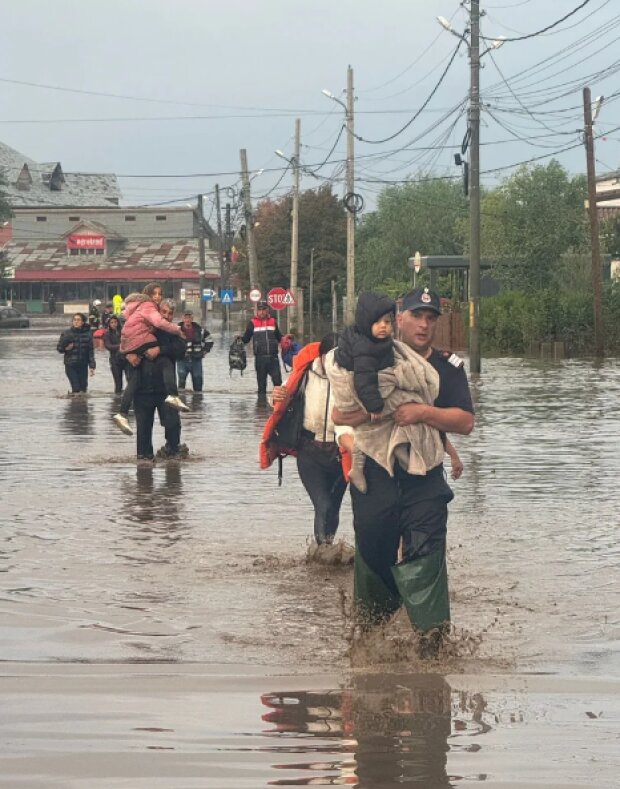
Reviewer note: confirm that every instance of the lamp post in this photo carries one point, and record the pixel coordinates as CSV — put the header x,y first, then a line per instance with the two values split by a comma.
x,y
348,109
473,45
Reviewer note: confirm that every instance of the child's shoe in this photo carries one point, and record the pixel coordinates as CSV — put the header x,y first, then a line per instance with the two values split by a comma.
x,y
121,421
174,401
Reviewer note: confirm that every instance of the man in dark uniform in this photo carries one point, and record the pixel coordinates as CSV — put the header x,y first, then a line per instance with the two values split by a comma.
x,y
151,394
410,507
266,336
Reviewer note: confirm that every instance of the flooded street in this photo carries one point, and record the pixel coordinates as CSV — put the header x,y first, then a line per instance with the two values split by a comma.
x,y
161,627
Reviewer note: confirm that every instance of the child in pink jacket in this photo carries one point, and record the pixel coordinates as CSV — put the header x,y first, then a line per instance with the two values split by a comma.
x,y
142,318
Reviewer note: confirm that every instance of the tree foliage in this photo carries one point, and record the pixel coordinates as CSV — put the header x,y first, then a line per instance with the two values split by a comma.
x,y
424,216
530,221
322,227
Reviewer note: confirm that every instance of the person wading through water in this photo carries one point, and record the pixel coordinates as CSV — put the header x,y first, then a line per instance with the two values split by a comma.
x,y
410,507
263,330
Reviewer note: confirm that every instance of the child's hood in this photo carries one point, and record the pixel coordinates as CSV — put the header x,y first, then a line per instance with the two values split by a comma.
x,y
133,301
370,307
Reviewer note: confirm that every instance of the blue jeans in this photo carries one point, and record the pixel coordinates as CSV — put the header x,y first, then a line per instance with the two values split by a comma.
x,y
191,367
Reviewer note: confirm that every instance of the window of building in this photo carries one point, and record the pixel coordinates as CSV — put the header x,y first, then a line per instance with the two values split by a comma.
x,y
41,219
130,218
82,252
74,219
160,218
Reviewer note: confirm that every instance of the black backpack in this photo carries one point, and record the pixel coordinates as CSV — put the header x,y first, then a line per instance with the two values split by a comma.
x,y
237,357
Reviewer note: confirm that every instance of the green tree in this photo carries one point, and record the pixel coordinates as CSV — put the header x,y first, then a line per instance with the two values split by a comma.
x,y
424,216
610,233
530,221
322,227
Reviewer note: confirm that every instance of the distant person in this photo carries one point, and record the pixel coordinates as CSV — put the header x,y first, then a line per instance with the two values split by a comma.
x,y
94,315
143,318
107,313
51,304
112,342
117,303
263,330
76,343
197,346
289,348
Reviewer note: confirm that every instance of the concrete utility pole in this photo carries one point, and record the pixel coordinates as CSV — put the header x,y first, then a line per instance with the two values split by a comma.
x,y
220,241
350,316
249,221
228,242
292,311
594,226
311,310
202,260
474,190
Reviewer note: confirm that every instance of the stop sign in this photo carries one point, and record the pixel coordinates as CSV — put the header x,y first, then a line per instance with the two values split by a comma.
x,y
277,298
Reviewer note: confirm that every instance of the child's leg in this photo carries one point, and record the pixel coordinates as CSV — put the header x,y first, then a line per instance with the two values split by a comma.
x,y
169,375
131,373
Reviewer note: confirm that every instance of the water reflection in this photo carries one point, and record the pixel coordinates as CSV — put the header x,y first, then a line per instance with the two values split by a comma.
x,y
77,417
151,499
390,730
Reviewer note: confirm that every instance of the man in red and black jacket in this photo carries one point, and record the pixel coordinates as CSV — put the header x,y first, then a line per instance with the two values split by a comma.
x,y
266,336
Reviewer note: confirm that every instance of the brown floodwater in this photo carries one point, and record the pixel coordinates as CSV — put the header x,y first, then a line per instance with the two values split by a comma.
x,y
163,627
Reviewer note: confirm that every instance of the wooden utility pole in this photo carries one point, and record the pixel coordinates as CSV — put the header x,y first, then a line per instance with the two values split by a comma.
x,y
595,243
202,260
292,311
249,221
474,190
220,241
311,293
350,316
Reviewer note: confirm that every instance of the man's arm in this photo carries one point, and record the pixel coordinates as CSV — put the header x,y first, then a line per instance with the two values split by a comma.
x,y
350,418
450,420
249,331
277,333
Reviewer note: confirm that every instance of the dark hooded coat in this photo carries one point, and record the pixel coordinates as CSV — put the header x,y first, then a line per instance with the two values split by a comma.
x,y
362,353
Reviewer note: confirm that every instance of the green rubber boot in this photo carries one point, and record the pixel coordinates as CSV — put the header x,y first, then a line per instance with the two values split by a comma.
x,y
423,586
374,602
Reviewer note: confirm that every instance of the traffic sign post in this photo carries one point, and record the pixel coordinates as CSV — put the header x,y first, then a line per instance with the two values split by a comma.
x,y
255,295
207,294
280,299
227,296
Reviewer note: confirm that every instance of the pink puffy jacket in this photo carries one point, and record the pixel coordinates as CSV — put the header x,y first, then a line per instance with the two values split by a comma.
x,y
142,317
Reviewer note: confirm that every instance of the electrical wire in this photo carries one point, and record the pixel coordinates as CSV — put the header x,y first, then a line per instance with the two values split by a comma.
x,y
544,29
421,109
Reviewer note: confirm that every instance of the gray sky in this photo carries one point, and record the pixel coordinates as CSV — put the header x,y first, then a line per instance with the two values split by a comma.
x,y
248,58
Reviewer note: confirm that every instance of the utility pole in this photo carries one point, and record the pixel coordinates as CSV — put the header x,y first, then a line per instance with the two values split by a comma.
x,y
311,292
249,221
228,239
220,240
474,190
350,317
292,311
594,227
202,261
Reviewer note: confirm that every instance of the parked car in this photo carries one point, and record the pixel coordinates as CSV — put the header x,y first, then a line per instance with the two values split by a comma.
x,y
11,318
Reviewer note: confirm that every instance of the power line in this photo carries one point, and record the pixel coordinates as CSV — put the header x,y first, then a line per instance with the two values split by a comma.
x,y
544,29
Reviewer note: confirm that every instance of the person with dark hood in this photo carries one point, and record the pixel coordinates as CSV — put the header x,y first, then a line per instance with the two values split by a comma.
x,y
76,343
51,304
112,342
108,312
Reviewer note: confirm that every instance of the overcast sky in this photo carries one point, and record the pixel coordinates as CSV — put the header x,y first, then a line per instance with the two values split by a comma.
x,y
269,61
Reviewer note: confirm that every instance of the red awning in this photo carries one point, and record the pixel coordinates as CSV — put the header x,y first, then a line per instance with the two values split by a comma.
x,y
109,275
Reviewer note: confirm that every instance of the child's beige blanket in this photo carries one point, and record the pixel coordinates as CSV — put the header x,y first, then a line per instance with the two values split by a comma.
x,y
418,447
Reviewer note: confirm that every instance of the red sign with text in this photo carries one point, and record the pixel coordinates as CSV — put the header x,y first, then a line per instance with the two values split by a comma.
x,y
75,241
279,299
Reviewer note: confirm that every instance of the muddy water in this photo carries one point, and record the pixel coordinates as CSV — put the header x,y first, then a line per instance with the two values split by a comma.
x,y
200,566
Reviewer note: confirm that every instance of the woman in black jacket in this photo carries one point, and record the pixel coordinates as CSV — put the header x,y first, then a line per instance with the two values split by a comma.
x,y
112,341
77,345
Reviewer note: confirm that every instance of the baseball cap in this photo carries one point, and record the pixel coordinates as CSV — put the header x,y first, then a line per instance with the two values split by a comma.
x,y
262,305
422,299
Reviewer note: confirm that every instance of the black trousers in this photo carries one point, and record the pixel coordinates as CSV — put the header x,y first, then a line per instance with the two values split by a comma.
x,y
133,375
78,376
267,365
412,507
116,368
145,406
320,471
